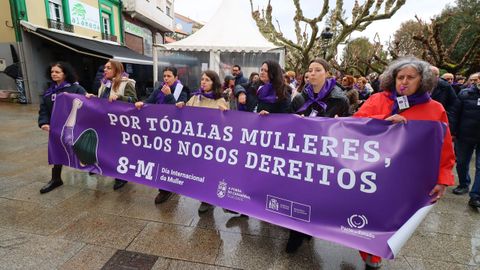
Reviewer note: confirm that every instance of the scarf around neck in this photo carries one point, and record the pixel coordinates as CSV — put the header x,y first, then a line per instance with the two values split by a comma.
x,y
266,93
201,92
54,88
413,100
324,92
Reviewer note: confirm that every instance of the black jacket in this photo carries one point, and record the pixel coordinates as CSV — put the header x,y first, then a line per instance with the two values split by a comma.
x,y
466,121
169,99
46,103
281,106
445,94
337,104
240,79
251,91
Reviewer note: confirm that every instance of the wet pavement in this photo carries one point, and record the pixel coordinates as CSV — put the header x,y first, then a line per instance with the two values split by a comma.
x,y
84,224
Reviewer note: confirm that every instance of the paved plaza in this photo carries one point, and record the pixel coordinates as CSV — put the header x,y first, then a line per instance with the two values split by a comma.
x,y
86,225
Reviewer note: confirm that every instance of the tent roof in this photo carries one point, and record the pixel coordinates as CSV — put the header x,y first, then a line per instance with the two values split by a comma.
x,y
231,29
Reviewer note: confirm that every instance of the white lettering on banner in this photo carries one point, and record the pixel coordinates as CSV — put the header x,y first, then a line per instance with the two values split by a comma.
x,y
364,149
298,170
141,170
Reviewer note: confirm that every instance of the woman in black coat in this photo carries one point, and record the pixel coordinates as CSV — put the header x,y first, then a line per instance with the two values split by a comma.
x,y
63,80
320,97
273,95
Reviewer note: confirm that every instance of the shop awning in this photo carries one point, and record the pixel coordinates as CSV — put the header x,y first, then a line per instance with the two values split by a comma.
x,y
95,48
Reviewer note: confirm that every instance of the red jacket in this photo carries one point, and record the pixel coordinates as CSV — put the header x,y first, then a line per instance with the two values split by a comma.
x,y
379,106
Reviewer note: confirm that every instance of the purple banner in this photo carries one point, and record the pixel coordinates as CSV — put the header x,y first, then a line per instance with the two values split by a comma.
x,y
363,183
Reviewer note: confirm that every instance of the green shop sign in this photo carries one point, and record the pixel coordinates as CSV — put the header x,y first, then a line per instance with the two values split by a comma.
x,y
137,30
84,15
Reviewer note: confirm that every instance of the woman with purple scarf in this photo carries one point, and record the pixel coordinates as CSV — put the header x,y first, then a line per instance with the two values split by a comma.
x,y
406,84
320,97
170,91
63,80
208,96
116,86
273,96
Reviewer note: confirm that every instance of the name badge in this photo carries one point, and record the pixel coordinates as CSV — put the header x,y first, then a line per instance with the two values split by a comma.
x,y
478,102
314,113
403,102
54,96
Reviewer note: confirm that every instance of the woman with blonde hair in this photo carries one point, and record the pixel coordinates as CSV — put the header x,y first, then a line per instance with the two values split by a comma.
x,y
115,85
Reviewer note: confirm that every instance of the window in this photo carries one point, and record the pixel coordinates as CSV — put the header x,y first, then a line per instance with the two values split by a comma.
x,y
106,23
167,11
160,5
56,12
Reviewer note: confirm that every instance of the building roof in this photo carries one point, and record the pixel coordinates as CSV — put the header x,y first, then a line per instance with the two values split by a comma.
x,y
231,29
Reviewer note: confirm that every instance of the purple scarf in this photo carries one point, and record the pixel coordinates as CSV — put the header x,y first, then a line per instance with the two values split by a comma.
x,y
161,96
200,92
324,92
266,93
108,82
413,100
54,88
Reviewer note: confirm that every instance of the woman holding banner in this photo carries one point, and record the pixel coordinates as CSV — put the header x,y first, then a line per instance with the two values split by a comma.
x,y
170,91
273,96
406,84
116,86
208,96
63,80
320,97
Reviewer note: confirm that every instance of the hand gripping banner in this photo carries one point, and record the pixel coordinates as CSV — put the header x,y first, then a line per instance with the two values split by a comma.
x,y
363,183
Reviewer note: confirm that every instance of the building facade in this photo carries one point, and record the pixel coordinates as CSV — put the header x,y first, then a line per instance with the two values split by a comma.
x,y
85,33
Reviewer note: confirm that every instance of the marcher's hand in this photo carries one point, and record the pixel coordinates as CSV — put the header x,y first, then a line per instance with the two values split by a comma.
x,y
113,97
396,118
45,127
242,98
77,103
222,107
453,138
263,112
166,90
180,104
437,192
88,95
138,105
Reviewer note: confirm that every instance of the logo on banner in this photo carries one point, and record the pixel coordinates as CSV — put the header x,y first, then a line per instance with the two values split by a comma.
x,y
357,221
222,189
356,224
273,204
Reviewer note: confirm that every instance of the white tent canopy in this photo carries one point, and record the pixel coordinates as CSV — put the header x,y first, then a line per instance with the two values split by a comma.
x,y
231,29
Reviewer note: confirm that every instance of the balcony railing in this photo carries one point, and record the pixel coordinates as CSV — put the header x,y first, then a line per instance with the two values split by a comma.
x,y
60,25
109,37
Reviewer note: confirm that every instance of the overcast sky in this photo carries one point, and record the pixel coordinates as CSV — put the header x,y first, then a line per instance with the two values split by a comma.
x,y
283,10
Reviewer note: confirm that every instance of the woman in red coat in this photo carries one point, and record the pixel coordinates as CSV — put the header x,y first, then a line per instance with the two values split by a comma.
x,y
406,84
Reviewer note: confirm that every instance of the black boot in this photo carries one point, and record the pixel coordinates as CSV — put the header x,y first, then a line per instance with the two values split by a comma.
x,y
56,180
119,183
295,240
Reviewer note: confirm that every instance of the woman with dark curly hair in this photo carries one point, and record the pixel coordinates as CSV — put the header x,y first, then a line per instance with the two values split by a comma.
x,y
273,96
64,79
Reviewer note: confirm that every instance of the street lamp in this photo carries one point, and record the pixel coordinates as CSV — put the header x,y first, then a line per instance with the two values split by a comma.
x,y
326,36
